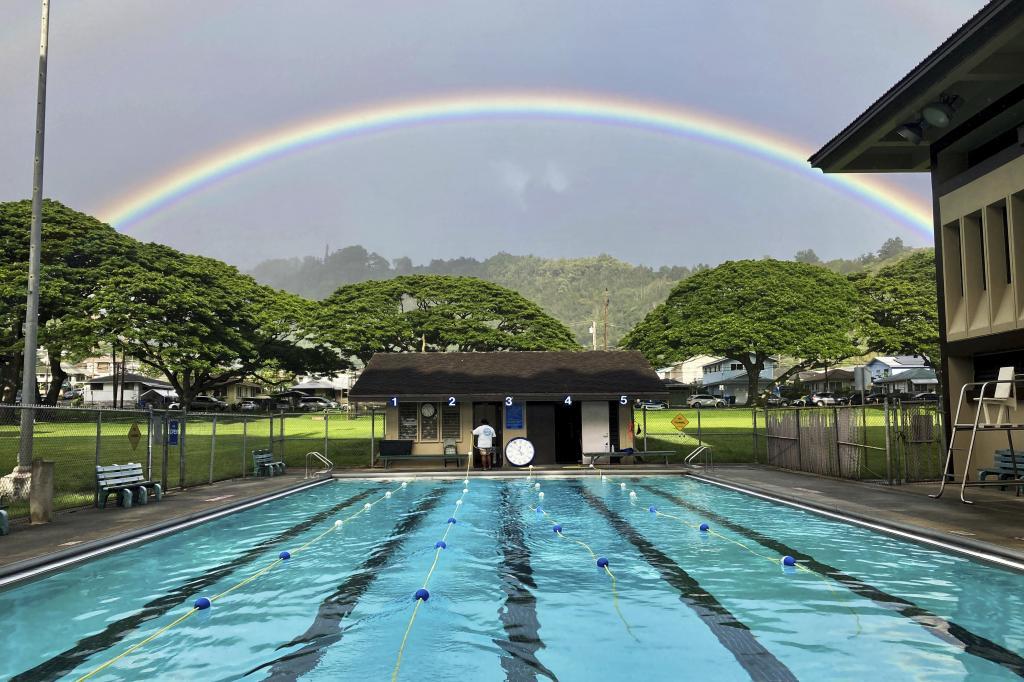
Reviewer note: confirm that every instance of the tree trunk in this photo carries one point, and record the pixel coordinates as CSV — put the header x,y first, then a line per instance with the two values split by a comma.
x,y
57,377
753,376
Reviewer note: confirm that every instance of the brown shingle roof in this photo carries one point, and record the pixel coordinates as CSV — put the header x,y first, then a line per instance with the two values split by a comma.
x,y
528,375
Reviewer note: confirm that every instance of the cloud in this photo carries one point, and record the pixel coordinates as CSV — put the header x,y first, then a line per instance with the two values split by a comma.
x,y
522,183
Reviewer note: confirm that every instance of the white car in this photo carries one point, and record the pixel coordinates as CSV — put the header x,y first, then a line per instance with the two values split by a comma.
x,y
316,404
705,400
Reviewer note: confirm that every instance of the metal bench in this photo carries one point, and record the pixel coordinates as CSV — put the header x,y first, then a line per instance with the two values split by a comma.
x,y
263,463
127,482
457,459
595,456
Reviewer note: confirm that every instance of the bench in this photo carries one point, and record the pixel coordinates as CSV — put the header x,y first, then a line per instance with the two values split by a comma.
x,y
595,456
1002,468
127,482
457,459
263,462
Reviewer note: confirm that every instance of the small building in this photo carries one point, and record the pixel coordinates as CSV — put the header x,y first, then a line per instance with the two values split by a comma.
x,y
689,371
726,378
318,388
239,391
100,390
889,365
917,380
838,380
564,402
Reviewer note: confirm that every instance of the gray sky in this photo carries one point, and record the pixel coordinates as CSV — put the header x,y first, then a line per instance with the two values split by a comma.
x,y
136,89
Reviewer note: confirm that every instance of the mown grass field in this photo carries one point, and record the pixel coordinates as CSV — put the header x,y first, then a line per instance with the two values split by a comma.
x,y
69,438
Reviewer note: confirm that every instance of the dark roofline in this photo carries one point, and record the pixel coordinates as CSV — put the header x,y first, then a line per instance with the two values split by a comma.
x,y
975,30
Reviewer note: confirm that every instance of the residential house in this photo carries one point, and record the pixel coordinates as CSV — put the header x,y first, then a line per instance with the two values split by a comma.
x,y
726,378
100,390
916,380
239,391
689,371
837,380
889,365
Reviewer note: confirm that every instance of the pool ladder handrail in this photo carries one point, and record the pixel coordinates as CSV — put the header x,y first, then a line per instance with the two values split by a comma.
x,y
328,465
703,451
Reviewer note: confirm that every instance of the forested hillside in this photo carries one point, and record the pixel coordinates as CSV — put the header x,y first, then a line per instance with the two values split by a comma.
x,y
570,289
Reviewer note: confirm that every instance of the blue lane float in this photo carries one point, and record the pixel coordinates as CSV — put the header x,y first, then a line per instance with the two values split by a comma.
x,y
557,528
602,562
285,555
704,528
788,561
440,544
422,594
451,519
202,604
652,509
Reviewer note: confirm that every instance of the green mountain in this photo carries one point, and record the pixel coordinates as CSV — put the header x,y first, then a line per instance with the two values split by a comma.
x,y
570,289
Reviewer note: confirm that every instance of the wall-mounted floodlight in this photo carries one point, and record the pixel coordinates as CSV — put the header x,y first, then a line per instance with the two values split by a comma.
x,y
911,132
937,114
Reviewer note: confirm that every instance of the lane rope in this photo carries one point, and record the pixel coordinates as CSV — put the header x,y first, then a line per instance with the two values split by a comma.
x,y
337,525
423,593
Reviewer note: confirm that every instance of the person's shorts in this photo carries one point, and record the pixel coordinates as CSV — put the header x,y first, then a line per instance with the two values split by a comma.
x,y
486,451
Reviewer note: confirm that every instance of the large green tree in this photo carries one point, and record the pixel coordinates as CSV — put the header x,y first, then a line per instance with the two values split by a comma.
x,y
78,252
900,307
751,310
203,324
438,312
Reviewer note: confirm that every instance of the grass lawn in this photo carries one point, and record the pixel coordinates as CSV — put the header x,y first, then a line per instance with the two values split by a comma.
x,y
69,438
729,431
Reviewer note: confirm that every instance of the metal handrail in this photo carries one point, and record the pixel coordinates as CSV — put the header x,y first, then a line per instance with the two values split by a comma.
x,y
328,465
708,456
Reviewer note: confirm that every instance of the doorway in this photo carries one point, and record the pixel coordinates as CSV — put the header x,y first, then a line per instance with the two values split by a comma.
x,y
492,413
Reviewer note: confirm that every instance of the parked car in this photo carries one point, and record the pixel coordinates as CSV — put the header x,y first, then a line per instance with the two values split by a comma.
x,y
317,404
869,398
202,403
927,396
249,405
652,405
705,400
775,401
816,400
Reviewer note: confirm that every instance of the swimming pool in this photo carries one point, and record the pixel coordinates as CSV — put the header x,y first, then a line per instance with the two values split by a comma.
x,y
509,598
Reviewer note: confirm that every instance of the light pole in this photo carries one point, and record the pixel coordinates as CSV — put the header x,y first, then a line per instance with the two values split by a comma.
x,y
28,382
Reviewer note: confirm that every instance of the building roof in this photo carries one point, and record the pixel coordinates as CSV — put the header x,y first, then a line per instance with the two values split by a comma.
x,y
979,64
917,375
527,375
837,374
314,386
900,360
132,378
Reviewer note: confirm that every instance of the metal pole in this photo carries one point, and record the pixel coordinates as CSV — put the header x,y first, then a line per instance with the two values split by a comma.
x,y
373,433
643,408
166,446
28,379
181,449
799,443
99,432
839,458
149,445
888,449
700,438
327,421
245,435
753,417
271,432
213,446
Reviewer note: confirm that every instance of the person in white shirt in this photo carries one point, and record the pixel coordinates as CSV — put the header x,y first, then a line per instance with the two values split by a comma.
x,y
485,436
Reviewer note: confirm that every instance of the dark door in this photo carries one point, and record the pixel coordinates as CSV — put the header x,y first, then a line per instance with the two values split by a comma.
x,y
568,421
540,425
492,413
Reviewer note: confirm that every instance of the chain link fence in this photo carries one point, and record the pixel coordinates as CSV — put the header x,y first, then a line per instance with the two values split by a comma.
x,y
177,449
734,434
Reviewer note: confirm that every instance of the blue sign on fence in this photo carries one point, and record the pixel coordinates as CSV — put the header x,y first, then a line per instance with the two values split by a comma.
x,y
172,432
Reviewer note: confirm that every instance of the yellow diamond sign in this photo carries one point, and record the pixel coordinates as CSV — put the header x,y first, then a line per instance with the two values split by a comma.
x,y
134,434
680,421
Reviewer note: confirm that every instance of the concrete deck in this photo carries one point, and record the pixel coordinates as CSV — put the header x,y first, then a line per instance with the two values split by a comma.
x,y
993,524
78,530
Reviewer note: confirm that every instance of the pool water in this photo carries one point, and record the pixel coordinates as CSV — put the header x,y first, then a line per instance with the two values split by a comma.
x,y
512,599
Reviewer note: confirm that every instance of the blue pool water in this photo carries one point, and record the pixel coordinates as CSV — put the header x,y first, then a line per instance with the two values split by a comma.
x,y
511,599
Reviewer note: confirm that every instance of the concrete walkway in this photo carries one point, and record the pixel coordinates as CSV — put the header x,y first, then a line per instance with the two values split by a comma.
x,y
76,530
994,524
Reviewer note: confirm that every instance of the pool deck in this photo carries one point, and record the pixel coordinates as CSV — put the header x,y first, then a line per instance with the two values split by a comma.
x,y
76,531
994,524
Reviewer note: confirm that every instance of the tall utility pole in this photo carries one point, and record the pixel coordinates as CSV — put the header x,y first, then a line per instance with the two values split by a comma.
x,y
28,380
606,319
593,333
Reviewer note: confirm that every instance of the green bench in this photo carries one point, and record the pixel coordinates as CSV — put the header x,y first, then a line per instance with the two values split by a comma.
x,y
127,482
1003,467
264,464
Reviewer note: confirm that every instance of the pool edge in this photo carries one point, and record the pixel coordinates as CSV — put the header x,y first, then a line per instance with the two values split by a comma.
x,y
974,549
36,567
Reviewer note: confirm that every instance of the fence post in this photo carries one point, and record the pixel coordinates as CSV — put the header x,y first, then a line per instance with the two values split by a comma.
x,y
271,432
181,449
149,444
373,433
213,446
99,433
700,438
327,421
167,448
753,416
799,442
284,445
839,457
888,446
643,408
245,435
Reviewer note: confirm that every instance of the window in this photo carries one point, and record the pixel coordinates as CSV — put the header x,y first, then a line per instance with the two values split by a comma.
x,y
734,366
451,422
407,413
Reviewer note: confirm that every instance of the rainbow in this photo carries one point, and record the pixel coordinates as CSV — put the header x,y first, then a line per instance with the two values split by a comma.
x,y
204,173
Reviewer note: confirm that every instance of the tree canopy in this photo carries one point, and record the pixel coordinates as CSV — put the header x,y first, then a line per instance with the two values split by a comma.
x,y
751,310
900,308
438,312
